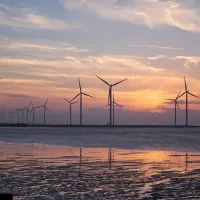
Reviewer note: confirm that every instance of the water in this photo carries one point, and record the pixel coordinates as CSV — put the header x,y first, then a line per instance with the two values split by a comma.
x,y
100,163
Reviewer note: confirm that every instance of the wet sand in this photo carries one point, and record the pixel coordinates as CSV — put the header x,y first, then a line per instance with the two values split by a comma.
x,y
35,171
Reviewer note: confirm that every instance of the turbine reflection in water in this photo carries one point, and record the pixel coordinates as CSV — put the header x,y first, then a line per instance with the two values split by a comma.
x,y
99,172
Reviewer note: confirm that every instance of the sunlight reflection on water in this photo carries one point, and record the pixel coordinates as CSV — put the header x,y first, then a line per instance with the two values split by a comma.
x,y
36,171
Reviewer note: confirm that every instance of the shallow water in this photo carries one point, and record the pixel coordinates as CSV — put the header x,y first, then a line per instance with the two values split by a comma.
x,y
33,167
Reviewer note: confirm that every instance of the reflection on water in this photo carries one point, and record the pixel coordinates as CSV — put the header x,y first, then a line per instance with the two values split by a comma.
x,y
59,172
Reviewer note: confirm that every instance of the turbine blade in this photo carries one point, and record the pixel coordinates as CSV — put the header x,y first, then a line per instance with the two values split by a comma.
x,y
169,99
119,82
31,103
107,105
185,84
178,95
38,106
46,102
66,100
178,105
88,95
74,102
194,95
181,95
79,84
76,96
103,80
47,108
118,104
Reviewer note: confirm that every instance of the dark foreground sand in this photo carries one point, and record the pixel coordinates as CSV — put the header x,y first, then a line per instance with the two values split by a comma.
x,y
34,171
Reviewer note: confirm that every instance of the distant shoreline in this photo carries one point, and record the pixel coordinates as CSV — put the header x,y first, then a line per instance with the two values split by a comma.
x,y
95,126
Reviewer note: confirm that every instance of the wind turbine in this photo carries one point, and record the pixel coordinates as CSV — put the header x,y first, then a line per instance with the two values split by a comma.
x,y
175,104
70,109
11,112
2,115
186,96
26,108
45,108
22,109
81,99
18,110
114,103
33,110
110,94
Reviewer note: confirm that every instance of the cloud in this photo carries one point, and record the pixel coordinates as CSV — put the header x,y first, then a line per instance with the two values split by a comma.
x,y
190,61
40,46
27,18
120,63
151,13
157,47
183,102
19,96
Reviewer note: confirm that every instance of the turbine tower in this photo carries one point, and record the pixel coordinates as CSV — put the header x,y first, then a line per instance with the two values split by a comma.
x,y
81,99
2,116
18,110
114,103
70,109
11,112
186,97
33,110
26,108
175,105
110,94
45,108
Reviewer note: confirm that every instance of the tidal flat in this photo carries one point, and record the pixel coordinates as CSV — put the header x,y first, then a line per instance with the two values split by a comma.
x,y
37,171
45,163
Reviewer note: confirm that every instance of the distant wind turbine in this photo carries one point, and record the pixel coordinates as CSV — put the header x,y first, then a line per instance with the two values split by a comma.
x,y
45,108
81,99
2,116
18,110
11,112
33,110
110,94
175,105
70,109
26,108
114,103
22,110
186,94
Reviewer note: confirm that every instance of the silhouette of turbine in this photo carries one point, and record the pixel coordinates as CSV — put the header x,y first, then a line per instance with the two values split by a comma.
x,y
11,112
33,110
2,116
187,93
26,108
18,110
114,103
45,108
175,105
81,99
70,109
110,94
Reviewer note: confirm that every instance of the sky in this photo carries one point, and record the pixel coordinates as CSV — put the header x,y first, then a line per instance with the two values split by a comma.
x,y
46,45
